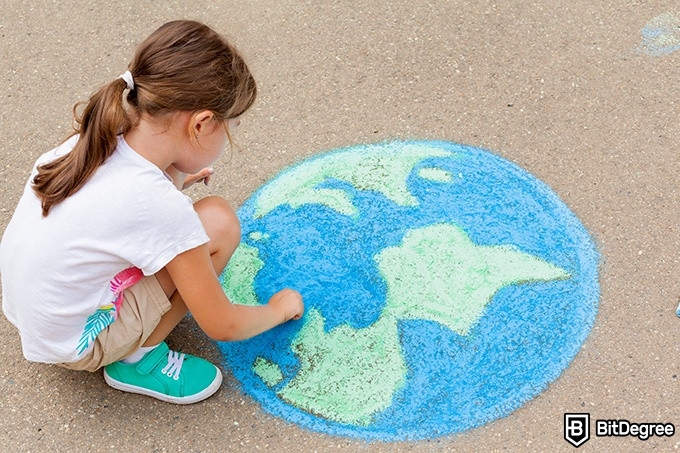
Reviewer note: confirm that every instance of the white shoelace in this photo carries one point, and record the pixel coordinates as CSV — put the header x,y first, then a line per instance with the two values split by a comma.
x,y
174,366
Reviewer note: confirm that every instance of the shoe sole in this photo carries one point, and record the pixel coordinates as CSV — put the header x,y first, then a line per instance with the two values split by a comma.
x,y
190,399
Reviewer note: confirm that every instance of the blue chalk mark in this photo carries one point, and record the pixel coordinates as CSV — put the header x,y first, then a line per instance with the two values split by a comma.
x,y
527,337
661,35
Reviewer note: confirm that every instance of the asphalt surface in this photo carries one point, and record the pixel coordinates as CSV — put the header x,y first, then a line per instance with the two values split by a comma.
x,y
562,89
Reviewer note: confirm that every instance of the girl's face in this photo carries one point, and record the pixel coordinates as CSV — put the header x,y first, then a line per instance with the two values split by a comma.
x,y
211,141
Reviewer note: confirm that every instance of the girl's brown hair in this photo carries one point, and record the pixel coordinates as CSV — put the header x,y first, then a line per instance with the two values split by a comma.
x,y
182,66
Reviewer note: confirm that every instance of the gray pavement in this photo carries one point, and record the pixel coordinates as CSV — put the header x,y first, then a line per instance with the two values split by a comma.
x,y
560,88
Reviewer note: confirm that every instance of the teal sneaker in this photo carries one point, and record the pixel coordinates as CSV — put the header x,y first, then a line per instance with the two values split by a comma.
x,y
166,375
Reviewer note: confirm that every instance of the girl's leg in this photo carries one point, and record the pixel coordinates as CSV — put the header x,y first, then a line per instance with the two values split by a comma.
x,y
224,230
168,375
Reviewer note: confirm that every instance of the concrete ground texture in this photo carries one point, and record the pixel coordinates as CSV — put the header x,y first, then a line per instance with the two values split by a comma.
x,y
566,90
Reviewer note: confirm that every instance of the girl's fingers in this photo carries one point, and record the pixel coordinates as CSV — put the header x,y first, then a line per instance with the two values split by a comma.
x,y
203,175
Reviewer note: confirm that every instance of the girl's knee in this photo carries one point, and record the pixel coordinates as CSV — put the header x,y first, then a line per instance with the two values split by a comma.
x,y
220,222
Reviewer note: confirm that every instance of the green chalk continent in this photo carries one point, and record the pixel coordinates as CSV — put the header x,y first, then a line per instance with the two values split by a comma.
x,y
437,273
268,371
436,175
239,276
348,374
382,168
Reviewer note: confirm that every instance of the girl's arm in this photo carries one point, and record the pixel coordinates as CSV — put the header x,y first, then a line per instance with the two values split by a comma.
x,y
193,275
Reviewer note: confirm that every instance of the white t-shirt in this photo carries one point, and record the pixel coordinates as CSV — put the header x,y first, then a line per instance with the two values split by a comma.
x,y
57,271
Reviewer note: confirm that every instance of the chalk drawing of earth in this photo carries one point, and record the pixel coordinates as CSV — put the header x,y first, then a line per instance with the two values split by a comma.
x,y
444,288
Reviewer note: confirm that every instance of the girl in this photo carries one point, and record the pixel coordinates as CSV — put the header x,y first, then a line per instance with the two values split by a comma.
x,y
104,255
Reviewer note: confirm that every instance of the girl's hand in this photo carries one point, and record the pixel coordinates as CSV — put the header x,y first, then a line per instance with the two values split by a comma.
x,y
203,175
193,275
289,303
182,180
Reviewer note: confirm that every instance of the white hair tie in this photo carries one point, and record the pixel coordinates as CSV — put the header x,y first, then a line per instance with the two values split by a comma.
x,y
127,76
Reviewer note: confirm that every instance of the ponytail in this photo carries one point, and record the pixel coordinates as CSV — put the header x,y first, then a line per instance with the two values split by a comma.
x,y
103,118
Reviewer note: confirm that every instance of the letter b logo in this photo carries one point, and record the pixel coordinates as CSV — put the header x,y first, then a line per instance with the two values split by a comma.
x,y
576,428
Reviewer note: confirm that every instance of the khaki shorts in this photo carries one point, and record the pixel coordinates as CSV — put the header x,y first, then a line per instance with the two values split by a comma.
x,y
143,305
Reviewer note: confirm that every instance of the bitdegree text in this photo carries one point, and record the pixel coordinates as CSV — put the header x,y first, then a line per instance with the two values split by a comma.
x,y
622,428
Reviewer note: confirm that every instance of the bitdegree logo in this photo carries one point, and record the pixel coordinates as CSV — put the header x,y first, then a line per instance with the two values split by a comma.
x,y
623,428
577,428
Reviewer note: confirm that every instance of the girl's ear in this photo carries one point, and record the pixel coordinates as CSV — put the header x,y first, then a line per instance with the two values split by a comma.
x,y
200,121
